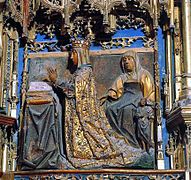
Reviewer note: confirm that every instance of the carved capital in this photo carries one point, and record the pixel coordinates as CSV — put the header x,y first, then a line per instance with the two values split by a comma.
x,y
178,117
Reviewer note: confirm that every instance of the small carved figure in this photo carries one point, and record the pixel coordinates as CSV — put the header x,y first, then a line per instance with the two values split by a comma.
x,y
143,118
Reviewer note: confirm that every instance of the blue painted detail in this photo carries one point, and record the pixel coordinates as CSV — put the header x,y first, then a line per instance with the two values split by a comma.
x,y
128,33
119,33
43,37
20,71
161,59
40,37
125,33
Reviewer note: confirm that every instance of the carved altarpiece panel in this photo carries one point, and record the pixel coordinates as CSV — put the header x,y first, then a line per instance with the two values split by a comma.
x,y
96,21
59,21
106,68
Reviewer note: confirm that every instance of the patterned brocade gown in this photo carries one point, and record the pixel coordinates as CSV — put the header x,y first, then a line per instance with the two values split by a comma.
x,y
90,140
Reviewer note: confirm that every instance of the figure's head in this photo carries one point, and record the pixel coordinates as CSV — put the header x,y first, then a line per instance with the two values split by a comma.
x,y
80,52
128,62
143,101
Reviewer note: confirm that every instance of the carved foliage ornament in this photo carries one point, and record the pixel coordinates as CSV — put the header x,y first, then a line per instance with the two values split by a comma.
x,y
65,7
154,176
23,11
105,6
60,5
102,5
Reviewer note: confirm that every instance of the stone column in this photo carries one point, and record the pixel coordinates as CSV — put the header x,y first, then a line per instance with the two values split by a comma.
x,y
169,83
186,25
177,53
1,43
1,24
186,76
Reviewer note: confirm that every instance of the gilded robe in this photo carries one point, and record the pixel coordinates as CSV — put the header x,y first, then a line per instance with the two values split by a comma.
x,y
90,140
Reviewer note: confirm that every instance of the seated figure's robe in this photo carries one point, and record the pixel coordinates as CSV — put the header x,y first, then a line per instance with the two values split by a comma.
x,y
123,99
41,137
121,112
